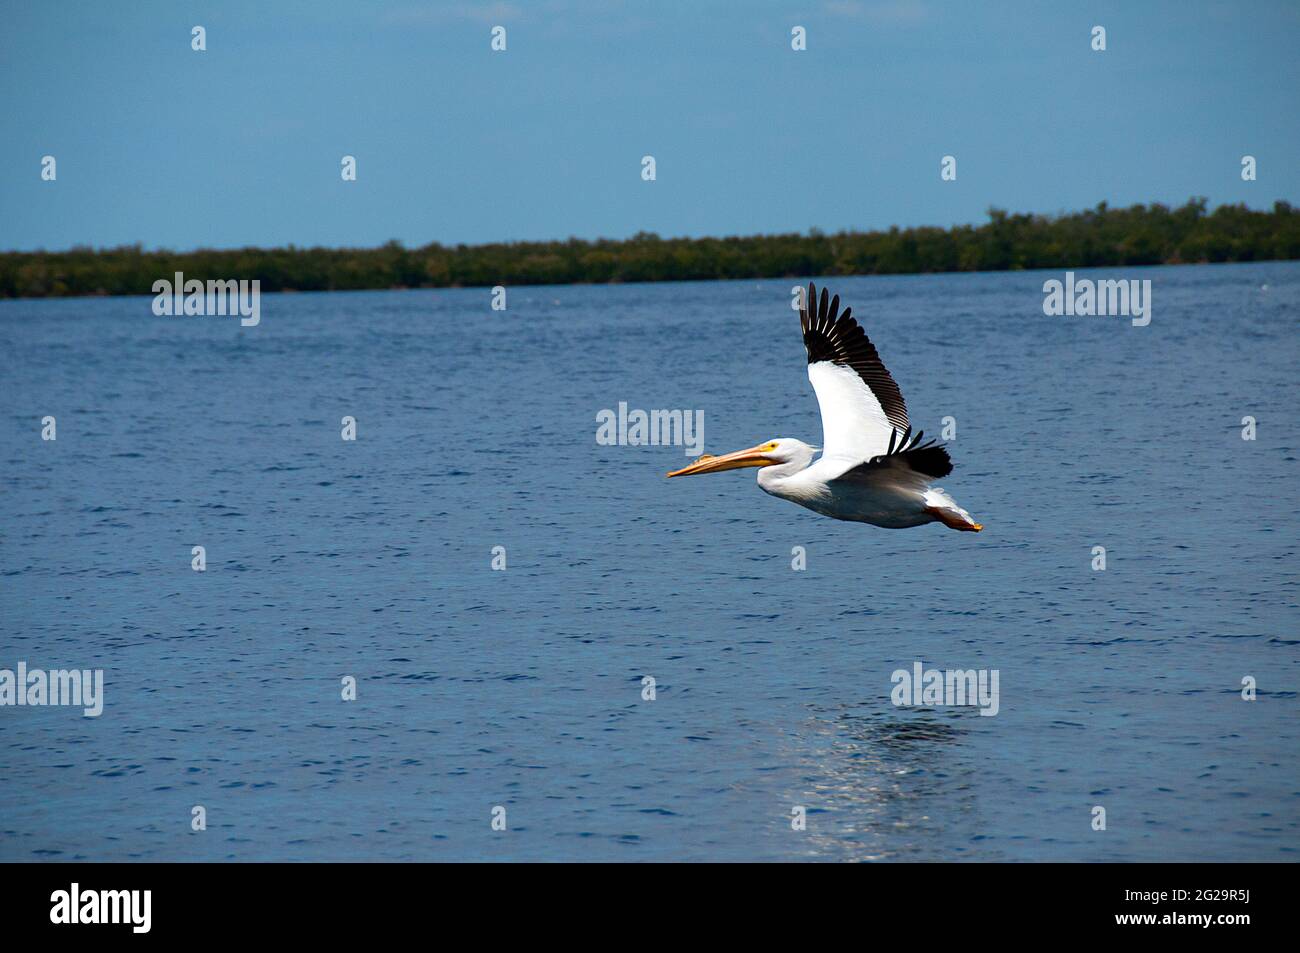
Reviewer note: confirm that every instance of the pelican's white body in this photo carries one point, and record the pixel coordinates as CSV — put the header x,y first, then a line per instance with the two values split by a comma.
x,y
889,503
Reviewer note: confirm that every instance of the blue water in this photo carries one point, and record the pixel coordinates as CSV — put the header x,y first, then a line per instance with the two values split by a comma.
x,y
523,688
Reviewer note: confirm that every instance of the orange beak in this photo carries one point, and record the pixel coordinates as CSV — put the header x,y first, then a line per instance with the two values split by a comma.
x,y
728,461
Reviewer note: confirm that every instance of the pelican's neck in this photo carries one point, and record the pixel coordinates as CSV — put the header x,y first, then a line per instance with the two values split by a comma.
x,y
772,477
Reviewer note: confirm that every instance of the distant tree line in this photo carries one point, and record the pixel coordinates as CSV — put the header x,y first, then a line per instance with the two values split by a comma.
x,y
1140,235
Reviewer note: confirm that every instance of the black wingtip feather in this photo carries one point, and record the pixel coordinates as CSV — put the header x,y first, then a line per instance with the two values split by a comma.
x,y
839,339
931,459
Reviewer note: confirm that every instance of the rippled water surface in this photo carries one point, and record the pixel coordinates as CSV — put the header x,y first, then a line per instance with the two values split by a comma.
x,y
523,688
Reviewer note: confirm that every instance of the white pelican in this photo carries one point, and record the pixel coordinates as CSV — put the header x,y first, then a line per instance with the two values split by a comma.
x,y
872,469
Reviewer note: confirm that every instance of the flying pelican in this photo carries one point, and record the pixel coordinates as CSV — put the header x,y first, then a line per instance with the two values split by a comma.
x,y
872,469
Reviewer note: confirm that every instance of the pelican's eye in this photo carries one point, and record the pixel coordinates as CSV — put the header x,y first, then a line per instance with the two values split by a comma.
x,y
770,447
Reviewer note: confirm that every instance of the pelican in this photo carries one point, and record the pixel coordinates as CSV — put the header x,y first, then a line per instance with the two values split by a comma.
x,y
872,468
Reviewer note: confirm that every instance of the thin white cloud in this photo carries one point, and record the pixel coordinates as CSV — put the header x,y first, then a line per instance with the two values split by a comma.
x,y
878,11
436,13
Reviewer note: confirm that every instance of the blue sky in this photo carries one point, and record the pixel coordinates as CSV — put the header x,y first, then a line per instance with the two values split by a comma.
x,y
241,144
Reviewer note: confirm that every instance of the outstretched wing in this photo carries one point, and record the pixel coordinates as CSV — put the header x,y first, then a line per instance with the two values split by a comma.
x,y
861,405
907,462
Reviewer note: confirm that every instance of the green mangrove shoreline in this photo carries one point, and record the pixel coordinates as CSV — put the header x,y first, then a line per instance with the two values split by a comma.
x,y
1101,237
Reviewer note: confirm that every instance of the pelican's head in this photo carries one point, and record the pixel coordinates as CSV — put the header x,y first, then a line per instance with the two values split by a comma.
x,y
772,453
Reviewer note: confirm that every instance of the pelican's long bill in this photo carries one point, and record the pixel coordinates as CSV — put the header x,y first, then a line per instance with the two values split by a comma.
x,y
753,457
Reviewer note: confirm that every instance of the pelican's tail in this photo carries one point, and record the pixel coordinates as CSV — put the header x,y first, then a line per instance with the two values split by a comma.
x,y
946,511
